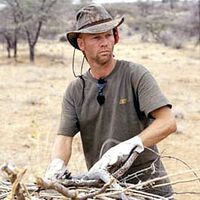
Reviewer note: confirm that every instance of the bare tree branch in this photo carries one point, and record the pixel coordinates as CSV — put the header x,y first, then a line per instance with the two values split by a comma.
x,y
15,177
56,186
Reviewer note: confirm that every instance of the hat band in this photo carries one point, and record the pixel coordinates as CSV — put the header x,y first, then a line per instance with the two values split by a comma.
x,y
95,23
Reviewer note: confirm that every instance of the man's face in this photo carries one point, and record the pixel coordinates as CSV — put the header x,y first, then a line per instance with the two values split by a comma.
x,y
97,48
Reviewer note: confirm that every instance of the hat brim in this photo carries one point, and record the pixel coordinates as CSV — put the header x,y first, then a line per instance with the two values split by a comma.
x,y
99,28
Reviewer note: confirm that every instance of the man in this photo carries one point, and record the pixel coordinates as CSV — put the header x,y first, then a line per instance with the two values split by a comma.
x,y
116,105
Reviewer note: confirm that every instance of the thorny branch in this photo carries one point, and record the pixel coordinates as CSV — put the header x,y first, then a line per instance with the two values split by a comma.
x,y
15,176
81,183
81,189
120,172
193,171
56,186
103,189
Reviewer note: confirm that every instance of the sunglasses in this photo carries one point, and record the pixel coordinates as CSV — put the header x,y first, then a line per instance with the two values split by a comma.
x,y
101,85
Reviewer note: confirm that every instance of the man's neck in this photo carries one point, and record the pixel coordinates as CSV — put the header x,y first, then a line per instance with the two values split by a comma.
x,y
102,71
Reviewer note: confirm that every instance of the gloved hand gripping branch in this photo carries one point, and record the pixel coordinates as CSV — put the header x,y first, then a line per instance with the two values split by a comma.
x,y
119,153
114,156
57,170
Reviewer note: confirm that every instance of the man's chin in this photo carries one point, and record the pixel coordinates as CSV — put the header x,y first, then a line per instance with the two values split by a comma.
x,y
104,59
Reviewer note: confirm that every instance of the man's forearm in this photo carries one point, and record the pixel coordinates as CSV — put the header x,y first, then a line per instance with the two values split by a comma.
x,y
163,125
62,148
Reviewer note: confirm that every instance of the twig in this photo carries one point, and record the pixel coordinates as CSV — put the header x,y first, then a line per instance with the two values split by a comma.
x,y
105,176
120,172
11,171
152,165
142,184
136,174
56,186
134,193
16,187
176,182
172,157
81,183
103,189
147,195
190,193
15,177
59,189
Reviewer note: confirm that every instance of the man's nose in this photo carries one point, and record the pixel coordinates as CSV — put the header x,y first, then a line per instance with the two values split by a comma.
x,y
104,41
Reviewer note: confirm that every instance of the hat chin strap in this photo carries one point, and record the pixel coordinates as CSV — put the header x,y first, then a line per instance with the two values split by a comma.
x,y
116,35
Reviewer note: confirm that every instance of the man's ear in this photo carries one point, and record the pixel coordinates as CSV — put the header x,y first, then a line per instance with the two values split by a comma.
x,y
80,43
116,35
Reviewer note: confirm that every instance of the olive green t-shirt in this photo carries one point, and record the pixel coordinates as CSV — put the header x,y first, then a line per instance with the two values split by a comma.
x,y
103,126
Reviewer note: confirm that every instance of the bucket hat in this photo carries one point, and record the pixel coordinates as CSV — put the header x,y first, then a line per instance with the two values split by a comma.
x,y
92,19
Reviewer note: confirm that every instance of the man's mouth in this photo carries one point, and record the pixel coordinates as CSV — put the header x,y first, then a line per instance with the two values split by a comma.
x,y
104,52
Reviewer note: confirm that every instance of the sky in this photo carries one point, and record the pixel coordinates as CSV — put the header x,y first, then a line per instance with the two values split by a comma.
x,y
2,6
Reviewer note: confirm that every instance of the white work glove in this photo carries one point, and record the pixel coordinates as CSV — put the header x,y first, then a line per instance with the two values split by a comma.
x,y
56,170
118,153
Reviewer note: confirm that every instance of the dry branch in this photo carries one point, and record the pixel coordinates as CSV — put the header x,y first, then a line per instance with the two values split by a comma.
x,y
81,189
81,183
121,171
56,186
73,194
15,176
103,189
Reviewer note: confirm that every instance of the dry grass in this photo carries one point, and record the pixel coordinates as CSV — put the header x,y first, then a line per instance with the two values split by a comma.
x,y
31,95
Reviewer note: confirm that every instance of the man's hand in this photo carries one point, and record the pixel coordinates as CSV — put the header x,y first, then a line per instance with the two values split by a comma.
x,y
118,153
57,170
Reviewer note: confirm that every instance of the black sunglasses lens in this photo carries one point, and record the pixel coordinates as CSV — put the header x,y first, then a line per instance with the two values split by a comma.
x,y
101,98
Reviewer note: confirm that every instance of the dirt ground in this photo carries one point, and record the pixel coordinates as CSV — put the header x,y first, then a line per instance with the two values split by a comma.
x,y
31,95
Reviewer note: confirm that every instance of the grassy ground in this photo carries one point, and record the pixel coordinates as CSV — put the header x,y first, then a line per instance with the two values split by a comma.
x,y
31,95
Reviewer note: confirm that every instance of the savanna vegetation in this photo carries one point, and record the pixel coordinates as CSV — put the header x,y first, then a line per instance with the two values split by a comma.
x,y
35,69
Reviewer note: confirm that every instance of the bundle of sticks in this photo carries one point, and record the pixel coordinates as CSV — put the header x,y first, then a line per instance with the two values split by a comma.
x,y
101,185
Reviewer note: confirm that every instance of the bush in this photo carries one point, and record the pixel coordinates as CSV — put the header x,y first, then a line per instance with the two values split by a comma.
x,y
172,39
63,38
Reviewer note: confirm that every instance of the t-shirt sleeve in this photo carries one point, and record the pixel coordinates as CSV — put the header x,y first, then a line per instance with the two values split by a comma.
x,y
150,95
68,120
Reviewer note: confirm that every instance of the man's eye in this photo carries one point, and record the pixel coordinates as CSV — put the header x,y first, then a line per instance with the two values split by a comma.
x,y
96,37
109,35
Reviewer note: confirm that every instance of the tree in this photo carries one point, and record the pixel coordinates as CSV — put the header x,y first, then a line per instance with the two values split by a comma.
x,y
8,30
7,35
60,20
172,3
30,16
84,2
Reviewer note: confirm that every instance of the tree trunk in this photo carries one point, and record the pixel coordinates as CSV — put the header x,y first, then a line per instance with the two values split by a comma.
x,y
31,53
15,49
8,50
15,42
8,45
